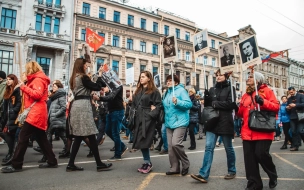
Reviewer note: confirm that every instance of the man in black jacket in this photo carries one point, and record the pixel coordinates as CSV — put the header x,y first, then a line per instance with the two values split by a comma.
x,y
295,103
114,118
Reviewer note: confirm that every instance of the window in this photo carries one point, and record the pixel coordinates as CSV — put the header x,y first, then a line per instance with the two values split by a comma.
x,y
177,33
155,49
99,62
143,24
143,47
115,41
47,24
83,34
213,44
178,54
102,12
130,44
58,3
115,67
6,61
86,8
56,25
142,68
129,65
103,35
213,62
205,60
45,64
116,16
187,56
187,36
38,25
8,18
49,3
155,71
130,20
155,27
220,43
166,30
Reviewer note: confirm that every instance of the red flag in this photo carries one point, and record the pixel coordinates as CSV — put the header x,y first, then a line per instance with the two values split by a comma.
x,y
93,39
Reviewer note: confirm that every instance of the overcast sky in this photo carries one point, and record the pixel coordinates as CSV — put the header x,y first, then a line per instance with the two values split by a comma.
x,y
231,15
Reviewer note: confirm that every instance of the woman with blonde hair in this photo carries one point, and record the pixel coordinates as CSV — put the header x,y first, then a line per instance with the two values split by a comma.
x,y
35,95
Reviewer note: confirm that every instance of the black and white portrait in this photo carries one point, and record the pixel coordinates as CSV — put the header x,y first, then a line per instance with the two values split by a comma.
x,y
169,46
248,49
200,42
227,55
237,86
188,80
157,81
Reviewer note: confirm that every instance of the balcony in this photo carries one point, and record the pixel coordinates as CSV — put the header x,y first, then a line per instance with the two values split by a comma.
x,y
44,5
9,31
48,35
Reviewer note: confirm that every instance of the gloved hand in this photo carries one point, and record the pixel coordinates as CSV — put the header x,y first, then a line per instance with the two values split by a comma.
x,y
259,100
235,107
207,99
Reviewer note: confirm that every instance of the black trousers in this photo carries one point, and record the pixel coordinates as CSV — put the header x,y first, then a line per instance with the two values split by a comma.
x,y
60,132
295,125
255,153
10,141
26,132
191,134
286,127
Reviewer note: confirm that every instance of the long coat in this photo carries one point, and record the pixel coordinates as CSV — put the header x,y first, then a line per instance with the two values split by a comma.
x,y
222,101
36,89
57,109
145,119
11,109
246,104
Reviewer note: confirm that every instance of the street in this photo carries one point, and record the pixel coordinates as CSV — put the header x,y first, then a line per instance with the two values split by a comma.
x,y
124,175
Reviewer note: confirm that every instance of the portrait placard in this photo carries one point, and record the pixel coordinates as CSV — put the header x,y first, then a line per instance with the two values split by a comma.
x,y
249,51
130,75
227,57
200,43
157,81
169,44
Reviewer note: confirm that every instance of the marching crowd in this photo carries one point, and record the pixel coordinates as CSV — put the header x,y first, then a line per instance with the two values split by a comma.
x,y
30,111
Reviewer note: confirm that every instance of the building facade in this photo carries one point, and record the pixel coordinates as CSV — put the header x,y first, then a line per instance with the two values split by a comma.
x,y
44,30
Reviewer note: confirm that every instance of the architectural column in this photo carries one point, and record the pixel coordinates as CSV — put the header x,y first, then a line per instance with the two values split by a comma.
x,y
52,24
42,21
34,53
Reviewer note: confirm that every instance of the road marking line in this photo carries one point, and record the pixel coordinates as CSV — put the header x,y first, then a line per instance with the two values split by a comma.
x,y
286,153
288,162
146,181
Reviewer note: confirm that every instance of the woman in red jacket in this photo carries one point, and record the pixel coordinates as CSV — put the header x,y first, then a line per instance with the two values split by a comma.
x,y
256,145
35,94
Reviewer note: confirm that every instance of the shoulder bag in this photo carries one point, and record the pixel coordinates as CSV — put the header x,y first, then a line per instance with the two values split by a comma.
x,y
130,121
262,121
22,117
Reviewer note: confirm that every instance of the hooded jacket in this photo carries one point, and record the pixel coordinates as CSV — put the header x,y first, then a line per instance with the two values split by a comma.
x,y
177,115
246,104
283,115
57,109
36,89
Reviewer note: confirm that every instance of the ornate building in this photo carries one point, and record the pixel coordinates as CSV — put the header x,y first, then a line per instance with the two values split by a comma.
x,y
43,29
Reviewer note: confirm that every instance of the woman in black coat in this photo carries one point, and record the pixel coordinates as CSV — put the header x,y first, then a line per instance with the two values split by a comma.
x,y
146,102
220,98
193,114
11,108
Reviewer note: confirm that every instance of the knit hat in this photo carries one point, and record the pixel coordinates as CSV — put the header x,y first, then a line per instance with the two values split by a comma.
x,y
2,75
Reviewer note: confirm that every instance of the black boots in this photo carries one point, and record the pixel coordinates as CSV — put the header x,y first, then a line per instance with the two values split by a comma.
x,y
284,147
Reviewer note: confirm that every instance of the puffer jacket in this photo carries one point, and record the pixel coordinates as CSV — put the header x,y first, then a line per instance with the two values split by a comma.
x,y
57,109
177,115
11,109
194,110
36,89
246,104
283,115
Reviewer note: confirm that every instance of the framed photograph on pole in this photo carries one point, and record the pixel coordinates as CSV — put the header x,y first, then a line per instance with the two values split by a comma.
x,y
227,57
200,43
249,52
169,44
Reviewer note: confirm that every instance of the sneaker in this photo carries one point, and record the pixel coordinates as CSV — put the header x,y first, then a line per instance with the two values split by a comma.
x,y
198,177
232,140
229,176
125,137
147,168
163,152
278,138
141,168
114,159
217,144
124,150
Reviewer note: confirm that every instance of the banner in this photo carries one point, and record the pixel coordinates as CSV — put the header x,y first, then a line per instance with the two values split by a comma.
x,y
93,39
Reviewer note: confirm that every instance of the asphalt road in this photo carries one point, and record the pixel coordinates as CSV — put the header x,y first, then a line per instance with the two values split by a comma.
x,y
124,175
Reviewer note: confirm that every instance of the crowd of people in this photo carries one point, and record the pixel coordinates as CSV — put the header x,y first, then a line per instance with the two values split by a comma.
x,y
91,111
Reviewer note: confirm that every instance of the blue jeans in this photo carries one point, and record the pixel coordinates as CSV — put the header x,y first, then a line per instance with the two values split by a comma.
x,y
164,136
237,126
146,155
220,139
128,132
113,125
209,150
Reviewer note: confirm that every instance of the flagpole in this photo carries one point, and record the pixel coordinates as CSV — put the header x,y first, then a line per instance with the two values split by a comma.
x,y
173,82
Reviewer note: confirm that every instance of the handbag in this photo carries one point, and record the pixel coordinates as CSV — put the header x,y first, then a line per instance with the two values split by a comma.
x,y
300,115
262,121
22,117
210,116
131,118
